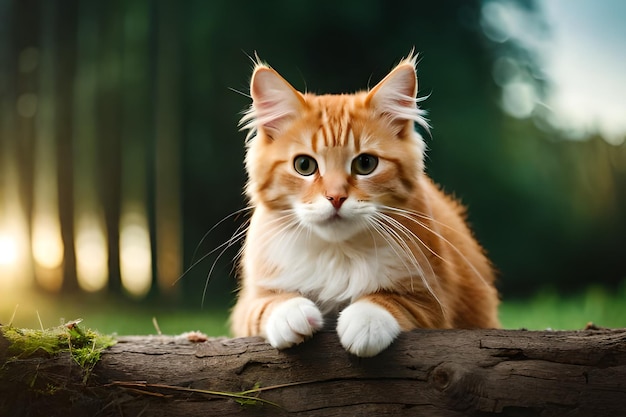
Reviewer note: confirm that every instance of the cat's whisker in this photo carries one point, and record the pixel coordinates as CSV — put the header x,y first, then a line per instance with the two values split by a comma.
x,y
411,237
395,246
399,247
408,215
287,239
423,216
409,233
239,234
243,229
206,255
216,225
285,222
368,226
234,90
400,231
452,246
422,273
400,244
383,230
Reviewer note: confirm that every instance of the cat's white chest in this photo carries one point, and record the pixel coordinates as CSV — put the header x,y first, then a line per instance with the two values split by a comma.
x,y
329,273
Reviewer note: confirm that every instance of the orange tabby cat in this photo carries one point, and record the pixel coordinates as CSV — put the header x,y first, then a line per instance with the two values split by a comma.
x,y
345,221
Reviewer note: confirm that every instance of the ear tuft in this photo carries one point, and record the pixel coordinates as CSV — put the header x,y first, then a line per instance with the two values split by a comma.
x,y
395,96
274,102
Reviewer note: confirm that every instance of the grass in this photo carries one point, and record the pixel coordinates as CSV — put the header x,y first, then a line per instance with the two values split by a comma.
x,y
550,309
110,315
546,309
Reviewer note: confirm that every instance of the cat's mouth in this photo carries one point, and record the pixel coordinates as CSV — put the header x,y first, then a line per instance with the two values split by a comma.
x,y
333,218
335,229
329,220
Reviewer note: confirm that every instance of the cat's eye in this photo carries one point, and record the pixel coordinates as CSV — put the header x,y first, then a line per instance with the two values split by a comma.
x,y
305,165
364,164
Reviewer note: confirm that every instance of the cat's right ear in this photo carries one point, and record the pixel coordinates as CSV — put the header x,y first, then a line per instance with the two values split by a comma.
x,y
274,102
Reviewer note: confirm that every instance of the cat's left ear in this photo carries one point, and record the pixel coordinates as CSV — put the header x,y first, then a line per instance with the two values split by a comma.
x,y
274,101
395,96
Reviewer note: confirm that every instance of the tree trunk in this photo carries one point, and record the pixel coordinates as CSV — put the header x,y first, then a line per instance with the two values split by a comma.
x,y
424,373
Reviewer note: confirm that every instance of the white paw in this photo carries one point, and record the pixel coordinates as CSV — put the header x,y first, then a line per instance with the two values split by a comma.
x,y
292,321
366,329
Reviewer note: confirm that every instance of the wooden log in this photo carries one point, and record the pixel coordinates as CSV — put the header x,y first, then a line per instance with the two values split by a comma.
x,y
424,373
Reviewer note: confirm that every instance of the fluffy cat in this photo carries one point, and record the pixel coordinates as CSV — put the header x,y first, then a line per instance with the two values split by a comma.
x,y
346,223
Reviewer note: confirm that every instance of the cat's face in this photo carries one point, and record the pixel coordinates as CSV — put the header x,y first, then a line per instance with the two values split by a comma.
x,y
330,163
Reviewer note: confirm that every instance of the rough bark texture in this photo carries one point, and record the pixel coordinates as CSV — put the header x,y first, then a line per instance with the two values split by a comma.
x,y
424,373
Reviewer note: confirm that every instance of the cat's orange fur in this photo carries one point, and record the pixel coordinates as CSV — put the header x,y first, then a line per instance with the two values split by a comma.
x,y
386,250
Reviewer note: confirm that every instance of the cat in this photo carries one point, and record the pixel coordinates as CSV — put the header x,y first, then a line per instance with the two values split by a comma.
x,y
345,222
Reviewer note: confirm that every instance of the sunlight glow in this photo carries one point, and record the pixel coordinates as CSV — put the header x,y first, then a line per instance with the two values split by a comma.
x,y
135,253
48,251
8,250
91,255
15,268
47,243
15,264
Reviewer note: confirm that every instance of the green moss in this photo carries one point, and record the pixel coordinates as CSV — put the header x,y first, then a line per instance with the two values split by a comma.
x,y
84,345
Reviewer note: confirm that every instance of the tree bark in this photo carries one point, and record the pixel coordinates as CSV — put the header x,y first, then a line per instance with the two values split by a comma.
x,y
424,373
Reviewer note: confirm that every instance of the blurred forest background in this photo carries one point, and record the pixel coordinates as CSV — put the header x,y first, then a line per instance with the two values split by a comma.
x,y
120,150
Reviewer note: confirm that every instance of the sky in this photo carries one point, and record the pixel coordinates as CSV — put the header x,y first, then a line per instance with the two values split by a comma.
x,y
585,60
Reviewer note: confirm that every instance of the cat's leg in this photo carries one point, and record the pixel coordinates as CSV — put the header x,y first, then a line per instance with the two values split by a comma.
x,y
370,324
283,319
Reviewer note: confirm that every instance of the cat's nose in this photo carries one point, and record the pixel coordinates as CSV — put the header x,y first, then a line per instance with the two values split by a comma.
x,y
336,200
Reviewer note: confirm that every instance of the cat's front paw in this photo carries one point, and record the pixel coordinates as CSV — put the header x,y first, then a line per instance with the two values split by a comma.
x,y
292,321
366,329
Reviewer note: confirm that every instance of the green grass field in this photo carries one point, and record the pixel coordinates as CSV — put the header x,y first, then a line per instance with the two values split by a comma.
x,y
545,310
548,309
111,315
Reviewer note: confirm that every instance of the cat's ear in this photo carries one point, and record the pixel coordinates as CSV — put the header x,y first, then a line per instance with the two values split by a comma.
x,y
395,97
274,101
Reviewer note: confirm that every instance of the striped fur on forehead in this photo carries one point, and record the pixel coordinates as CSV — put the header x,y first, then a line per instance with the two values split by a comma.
x,y
336,121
